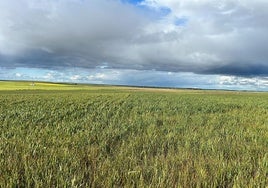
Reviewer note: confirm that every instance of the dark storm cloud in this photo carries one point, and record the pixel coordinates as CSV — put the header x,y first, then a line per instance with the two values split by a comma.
x,y
205,37
240,70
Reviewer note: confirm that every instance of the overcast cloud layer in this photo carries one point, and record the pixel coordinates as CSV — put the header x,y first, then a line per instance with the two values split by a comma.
x,y
222,37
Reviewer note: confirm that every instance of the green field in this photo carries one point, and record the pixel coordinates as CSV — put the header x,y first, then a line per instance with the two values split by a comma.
x,y
56,135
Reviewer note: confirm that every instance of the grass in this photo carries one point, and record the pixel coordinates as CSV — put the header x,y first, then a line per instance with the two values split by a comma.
x,y
88,136
26,85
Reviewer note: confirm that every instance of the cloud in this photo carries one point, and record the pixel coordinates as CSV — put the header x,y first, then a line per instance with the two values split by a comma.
x,y
222,37
138,78
65,32
226,37
255,83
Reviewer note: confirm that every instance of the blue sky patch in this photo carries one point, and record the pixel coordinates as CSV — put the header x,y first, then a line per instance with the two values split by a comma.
x,y
182,21
155,13
163,11
135,2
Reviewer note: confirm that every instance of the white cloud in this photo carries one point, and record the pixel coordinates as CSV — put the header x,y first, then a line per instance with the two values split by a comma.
x,y
18,75
75,77
255,83
106,75
49,76
218,34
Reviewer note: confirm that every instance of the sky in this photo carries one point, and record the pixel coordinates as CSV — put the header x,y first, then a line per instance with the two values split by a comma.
x,y
210,44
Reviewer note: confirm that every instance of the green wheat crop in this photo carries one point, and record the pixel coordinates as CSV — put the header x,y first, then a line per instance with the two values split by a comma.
x,y
124,137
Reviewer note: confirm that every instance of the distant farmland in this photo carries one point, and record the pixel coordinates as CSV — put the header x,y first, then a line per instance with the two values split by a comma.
x,y
63,135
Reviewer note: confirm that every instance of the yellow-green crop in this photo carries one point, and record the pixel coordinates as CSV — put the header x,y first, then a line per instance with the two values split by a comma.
x,y
129,137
